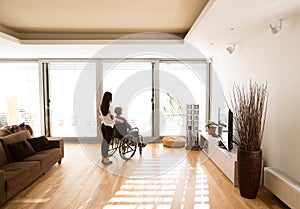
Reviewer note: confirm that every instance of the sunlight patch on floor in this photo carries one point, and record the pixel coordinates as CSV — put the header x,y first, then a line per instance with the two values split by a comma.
x,y
183,186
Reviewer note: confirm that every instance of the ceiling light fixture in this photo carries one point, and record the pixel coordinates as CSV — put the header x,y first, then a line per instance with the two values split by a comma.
x,y
230,48
275,28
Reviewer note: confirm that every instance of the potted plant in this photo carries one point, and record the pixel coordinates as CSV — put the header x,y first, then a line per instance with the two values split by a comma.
x,y
211,127
249,104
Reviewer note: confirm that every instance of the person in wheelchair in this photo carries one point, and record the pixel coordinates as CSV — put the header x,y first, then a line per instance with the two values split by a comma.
x,y
121,129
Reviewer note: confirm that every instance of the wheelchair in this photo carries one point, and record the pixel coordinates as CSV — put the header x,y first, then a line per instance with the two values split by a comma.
x,y
126,142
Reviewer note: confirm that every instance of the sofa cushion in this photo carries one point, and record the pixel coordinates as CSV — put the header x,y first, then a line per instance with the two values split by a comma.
x,y
13,138
20,150
3,158
18,175
17,128
170,141
39,143
46,158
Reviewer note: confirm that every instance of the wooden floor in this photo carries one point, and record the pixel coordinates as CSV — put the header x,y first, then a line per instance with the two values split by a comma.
x,y
161,178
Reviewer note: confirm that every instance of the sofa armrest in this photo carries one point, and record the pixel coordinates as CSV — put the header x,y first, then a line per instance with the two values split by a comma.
x,y
2,187
55,142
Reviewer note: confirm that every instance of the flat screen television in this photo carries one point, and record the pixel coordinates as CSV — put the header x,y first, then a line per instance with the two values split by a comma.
x,y
227,135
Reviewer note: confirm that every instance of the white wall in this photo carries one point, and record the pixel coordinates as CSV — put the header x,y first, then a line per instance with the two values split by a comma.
x,y
275,59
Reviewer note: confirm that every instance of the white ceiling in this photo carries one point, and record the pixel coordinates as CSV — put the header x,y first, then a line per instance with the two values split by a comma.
x,y
234,21
222,22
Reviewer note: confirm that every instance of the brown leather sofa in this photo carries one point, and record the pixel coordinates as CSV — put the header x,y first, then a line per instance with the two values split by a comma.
x,y
15,175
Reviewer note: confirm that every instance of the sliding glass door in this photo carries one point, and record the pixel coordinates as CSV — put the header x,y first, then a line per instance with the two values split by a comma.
x,y
181,83
131,85
64,78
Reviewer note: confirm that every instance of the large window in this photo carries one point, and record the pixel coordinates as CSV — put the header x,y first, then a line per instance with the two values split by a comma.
x,y
181,83
20,97
64,78
131,86
152,93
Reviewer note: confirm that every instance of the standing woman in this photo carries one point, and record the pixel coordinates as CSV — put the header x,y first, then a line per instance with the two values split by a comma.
x,y
107,127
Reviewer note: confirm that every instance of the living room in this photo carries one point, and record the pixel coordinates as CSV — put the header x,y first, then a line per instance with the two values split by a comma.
x,y
237,42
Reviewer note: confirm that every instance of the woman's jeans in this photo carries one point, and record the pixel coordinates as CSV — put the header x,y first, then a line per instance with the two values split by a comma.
x,y
107,133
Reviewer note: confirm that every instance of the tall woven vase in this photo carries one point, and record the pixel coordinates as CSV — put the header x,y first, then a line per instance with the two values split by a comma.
x,y
249,172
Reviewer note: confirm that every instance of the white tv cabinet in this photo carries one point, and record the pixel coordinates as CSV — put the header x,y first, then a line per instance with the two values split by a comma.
x,y
224,159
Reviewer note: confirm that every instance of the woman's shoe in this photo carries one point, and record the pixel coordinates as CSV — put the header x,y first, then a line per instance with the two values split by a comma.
x,y
106,162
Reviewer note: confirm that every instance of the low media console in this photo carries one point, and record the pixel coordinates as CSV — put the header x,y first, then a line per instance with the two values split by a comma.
x,y
224,159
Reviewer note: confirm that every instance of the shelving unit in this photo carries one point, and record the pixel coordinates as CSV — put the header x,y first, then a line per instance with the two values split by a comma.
x,y
192,127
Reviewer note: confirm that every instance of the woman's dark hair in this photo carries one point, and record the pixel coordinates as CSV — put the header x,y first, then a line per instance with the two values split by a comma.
x,y
106,99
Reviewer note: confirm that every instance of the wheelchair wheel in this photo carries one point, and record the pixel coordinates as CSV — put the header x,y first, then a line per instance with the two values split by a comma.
x,y
114,144
128,147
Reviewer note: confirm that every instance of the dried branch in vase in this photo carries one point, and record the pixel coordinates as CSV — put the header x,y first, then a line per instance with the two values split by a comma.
x,y
249,104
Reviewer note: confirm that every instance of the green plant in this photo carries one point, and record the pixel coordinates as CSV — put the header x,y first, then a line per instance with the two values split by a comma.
x,y
172,106
211,123
249,104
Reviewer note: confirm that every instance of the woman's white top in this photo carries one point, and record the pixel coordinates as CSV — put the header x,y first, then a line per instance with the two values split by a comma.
x,y
108,120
